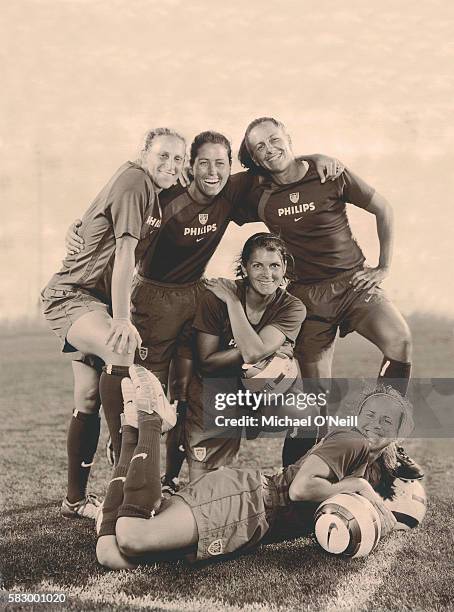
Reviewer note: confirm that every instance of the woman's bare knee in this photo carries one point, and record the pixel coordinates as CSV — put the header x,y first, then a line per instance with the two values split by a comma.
x,y
130,537
87,400
109,555
398,344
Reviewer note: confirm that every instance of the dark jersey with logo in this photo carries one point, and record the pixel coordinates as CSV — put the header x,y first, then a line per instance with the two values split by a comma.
x,y
191,231
127,205
346,452
285,312
311,217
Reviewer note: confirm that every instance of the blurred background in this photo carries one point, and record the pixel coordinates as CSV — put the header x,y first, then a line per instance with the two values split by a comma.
x,y
369,82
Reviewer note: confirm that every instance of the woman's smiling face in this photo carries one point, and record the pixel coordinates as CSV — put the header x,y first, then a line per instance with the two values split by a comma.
x,y
265,270
379,420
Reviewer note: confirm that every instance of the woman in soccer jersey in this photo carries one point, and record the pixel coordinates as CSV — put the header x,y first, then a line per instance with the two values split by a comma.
x,y
87,303
232,510
339,291
236,323
170,275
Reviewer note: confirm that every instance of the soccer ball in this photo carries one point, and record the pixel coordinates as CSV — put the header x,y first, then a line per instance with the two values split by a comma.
x,y
347,524
408,504
273,374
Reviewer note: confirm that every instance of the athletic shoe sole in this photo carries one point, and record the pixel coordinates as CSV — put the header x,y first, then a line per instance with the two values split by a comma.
x,y
150,396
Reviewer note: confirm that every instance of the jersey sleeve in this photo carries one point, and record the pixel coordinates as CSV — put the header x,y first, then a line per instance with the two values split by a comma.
x,y
128,202
238,192
210,315
355,190
289,318
345,452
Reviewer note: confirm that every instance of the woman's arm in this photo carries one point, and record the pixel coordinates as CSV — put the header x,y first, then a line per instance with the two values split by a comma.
x,y
210,358
328,168
123,337
370,277
312,483
252,346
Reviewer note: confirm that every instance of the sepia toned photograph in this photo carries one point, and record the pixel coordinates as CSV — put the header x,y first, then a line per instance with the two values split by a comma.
x,y
227,313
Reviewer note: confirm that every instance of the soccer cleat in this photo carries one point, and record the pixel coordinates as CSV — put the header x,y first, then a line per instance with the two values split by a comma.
x,y
169,486
150,397
88,507
407,468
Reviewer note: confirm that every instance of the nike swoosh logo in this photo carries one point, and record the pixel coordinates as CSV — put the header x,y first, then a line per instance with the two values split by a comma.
x,y
199,239
122,478
83,464
330,529
297,219
143,455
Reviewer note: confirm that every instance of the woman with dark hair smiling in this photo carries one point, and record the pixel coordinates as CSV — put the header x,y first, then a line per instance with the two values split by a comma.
x,y
238,322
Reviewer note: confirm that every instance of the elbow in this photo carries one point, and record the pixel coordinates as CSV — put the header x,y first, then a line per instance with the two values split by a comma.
x,y
299,491
108,555
250,357
206,367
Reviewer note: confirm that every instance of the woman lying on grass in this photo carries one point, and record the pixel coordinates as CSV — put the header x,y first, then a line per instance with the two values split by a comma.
x,y
230,510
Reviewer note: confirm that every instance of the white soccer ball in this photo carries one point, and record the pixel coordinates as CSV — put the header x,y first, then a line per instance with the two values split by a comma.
x,y
347,524
409,503
273,374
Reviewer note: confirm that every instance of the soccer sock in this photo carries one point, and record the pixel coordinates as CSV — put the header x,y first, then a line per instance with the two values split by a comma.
x,y
174,455
82,442
112,402
114,495
142,489
395,373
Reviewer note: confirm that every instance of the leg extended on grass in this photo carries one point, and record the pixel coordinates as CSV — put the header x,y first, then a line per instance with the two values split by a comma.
x,y
170,534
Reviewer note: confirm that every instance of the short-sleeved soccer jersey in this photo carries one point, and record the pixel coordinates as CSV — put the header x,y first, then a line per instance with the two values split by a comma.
x,y
285,312
127,205
311,217
191,232
346,452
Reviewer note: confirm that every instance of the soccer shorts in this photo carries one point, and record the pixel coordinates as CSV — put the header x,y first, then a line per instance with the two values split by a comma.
x,y
61,308
332,305
163,314
208,447
231,509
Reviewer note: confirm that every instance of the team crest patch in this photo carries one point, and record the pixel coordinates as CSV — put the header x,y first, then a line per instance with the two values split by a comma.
x,y
294,197
200,453
216,547
143,352
203,218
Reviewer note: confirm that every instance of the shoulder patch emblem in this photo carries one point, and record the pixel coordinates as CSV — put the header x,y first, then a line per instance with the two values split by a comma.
x,y
294,197
216,547
200,452
203,218
143,352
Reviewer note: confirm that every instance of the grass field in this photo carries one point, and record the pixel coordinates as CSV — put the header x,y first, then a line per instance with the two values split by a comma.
x,y
41,552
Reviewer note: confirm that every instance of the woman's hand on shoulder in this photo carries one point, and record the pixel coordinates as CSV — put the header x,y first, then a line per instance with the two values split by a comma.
x,y
223,288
